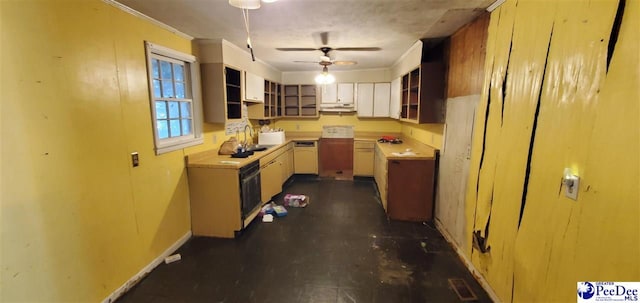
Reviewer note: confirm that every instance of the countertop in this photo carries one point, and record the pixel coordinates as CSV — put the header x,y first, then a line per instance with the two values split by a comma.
x,y
211,159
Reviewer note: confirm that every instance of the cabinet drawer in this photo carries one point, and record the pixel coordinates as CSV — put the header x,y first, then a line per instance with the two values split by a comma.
x,y
363,144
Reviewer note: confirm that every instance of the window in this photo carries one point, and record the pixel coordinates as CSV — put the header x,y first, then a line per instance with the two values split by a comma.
x,y
175,100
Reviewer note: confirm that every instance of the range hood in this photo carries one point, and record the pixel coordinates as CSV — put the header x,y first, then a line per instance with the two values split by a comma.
x,y
337,107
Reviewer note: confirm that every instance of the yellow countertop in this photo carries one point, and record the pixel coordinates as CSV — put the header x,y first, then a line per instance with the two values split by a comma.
x,y
211,159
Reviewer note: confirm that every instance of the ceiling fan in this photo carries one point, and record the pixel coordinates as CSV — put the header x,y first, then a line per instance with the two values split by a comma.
x,y
325,60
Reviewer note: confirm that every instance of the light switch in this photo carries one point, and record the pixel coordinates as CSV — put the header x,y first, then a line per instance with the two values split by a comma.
x,y
135,161
571,184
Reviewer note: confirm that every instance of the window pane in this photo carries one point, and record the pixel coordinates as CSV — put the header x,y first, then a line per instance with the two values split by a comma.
x,y
156,89
167,89
185,110
175,128
166,70
174,111
179,89
155,68
163,129
186,127
178,72
161,110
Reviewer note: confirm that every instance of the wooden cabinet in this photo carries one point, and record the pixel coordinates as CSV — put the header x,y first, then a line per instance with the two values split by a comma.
x,y
305,157
254,88
363,158
373,99
272,106
423,94
336,157
380,175
221,93
365,99
270,179
215,201
286,162
395,98
337,93
411,186
300,101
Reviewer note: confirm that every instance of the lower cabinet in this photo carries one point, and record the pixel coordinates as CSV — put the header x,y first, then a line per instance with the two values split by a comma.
x,y
411,186
270,179
380,175
305,157
363,158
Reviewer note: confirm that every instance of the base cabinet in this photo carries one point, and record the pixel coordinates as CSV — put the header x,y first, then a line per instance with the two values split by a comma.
x,y
411,185
363,158
270,179
305,157
380,175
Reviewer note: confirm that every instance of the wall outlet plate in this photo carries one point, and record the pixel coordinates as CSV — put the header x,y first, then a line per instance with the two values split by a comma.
x,y
571,186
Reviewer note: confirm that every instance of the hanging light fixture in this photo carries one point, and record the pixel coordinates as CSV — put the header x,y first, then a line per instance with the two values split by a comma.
x,y
245,4
325,77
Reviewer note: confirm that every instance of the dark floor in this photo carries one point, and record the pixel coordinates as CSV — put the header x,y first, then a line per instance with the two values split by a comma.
x,y
341,248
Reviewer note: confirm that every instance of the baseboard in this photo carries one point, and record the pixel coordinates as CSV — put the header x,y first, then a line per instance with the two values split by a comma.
x,y
477,274
147,269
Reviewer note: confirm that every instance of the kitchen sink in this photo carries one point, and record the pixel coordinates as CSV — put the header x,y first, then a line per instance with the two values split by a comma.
x,y
259,147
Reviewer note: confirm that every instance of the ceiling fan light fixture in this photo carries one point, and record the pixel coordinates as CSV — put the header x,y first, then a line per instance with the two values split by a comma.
x,y
325,77
245,4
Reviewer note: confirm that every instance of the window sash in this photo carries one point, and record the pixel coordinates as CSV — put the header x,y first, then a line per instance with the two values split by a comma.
x,y
191,97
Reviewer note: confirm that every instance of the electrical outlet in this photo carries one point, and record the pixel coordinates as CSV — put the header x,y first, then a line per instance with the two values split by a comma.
x,y
297,126
411,132
215,139
135,161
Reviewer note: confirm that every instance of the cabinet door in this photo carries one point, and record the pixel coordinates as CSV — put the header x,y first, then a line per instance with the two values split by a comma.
x,y
381,97
270,180
306,160
411,189
329,93
345,92
396,98
363,162
254,87
365,99
380,175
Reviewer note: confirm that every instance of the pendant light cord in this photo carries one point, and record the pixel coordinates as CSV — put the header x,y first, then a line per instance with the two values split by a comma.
x,y
245,15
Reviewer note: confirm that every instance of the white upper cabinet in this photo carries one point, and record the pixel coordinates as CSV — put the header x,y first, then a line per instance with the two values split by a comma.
x,y
338,93
254,88
345,93
329,93
381,97
396,98
365,99
373,99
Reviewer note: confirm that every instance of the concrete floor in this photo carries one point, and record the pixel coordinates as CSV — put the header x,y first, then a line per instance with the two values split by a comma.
x,y
341,248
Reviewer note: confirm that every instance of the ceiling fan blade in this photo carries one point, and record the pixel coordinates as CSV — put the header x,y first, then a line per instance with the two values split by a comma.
x,y
315,62
345,62
324,38
296,49
361,49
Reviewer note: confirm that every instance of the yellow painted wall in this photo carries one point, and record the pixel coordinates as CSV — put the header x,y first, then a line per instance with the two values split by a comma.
x,y
384,125
77,220
555,54
430,134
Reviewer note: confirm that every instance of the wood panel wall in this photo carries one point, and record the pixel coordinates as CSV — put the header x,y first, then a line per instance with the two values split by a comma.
x,y
467,50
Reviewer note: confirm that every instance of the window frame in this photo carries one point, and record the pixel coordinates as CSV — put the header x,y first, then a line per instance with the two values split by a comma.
x,y
192,93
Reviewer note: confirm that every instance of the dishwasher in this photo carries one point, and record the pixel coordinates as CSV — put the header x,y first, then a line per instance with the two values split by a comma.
x,y
250,188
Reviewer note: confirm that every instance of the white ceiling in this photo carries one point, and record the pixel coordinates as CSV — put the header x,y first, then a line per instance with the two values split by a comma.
x,y
392,25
